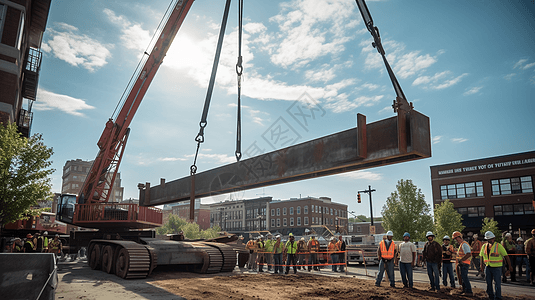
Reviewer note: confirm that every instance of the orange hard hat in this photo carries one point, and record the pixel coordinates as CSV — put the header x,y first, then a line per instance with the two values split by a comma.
x,y
29,236
457,234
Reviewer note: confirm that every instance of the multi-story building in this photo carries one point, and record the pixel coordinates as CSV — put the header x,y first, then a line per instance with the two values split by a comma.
x,y
202,213
297,214
240,215
497,187
74,174
363,228
22,23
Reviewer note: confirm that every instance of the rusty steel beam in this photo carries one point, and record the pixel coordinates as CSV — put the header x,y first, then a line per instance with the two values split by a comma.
x,y
401,138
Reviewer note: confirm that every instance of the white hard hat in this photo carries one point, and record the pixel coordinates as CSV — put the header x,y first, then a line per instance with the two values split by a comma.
x,y
45,233
507,234
429,233
489,235
446,238
278,236
390,233
519,239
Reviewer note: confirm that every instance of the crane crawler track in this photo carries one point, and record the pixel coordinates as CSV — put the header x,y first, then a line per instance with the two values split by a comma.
x,y
127,258
228,254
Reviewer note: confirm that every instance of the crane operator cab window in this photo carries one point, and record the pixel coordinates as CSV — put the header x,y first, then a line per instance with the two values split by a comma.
x,y
66,206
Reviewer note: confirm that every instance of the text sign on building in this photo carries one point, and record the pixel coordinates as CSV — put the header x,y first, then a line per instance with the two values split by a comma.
x,y
372,229
490,166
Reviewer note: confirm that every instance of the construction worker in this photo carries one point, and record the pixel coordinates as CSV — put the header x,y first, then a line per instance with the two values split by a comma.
x,y
476,248
268,251
509,246
278,248
39,242
55,246
291,249
342,255
313,248
386,254
464,255
529,246
432,255
521,258
17,247
333,252
301,253
260,256
493,254
45,241
406,260
29,245
251,246
447,265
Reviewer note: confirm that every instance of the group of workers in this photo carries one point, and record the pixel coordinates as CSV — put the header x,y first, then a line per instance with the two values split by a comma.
x,y
492,260
37,244
301,254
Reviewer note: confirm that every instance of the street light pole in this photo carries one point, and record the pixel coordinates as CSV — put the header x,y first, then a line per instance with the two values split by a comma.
x,y
369,191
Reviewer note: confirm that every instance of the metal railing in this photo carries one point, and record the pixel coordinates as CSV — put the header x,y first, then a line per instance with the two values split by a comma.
x,y
117,212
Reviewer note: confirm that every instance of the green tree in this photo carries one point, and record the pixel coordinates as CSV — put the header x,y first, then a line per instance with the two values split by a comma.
x,y
191,231
489,224
24,171
447,220
406,211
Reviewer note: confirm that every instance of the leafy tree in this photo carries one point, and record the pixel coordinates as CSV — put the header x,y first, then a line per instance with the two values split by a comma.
x,y
24,171
406,211
447,220
175,224
489,224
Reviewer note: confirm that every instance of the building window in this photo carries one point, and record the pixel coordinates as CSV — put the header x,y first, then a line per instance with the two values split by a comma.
x,y
514,185
291,221
298,210
284,222
461,190
305,211
358,229
272,222
298,221
477,211
278,211
272,212
291,210
306,220
332,221
278,222
331,211
284,211
514,209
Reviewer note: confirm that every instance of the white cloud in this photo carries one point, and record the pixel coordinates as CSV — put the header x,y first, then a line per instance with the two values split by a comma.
x,y
438,81
133,35
509,76
76,49
51,101
473,90
361,175
437,139
459,140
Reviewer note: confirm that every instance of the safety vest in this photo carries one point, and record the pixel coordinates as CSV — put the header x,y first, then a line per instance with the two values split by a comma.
x,y
333,247
460,253
269,245
291,247
445,256
45,243
494,258
55,244
17,248
387,253
278,249
314,245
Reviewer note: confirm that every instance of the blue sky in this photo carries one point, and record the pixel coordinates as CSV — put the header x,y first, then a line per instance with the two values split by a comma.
x,y
468,65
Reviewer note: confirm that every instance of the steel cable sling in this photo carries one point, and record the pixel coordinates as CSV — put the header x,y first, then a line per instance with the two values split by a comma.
x,y
239,72
202,124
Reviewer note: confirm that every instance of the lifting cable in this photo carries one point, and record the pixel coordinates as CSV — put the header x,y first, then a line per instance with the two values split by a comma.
x,y
239,71
200,136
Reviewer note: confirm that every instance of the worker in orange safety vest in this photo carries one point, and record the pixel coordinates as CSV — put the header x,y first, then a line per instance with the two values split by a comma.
x,y
386,254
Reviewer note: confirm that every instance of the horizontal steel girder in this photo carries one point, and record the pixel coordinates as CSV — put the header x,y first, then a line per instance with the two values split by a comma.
x,y
401,138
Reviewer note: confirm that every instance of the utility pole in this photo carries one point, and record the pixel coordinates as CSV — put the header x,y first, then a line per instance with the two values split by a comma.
x,y
369,191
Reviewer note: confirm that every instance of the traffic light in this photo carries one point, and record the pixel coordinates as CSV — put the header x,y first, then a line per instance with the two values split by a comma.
x,y
358,198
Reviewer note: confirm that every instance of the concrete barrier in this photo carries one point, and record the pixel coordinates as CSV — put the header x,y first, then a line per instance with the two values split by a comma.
x,y
28,276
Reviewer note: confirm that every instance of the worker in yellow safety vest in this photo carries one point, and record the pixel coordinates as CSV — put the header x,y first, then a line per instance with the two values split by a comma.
x,y
291,259
492,255
386,254
464,255
29,246
55,246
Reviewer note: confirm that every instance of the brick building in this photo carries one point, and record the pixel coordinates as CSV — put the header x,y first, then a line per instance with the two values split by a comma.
x,y
202,213
240,215
363,228
74,174
297,214
498,187
22,23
